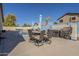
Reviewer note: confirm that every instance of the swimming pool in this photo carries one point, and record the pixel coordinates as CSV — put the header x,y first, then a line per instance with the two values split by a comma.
x,y
24,33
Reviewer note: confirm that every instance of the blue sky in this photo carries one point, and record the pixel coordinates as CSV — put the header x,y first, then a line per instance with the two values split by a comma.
x,y
28,12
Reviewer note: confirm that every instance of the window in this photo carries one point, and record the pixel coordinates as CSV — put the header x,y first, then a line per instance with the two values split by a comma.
x,y
73,18
61,21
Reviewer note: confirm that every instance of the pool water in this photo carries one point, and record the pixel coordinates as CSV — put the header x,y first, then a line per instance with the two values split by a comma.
x,y
23,33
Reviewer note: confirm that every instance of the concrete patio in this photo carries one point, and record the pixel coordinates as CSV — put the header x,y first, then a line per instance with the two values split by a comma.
x,y
18,45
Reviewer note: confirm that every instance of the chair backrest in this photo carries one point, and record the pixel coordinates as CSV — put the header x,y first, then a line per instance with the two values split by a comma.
x,y
42,34
49,33
67,29
30,33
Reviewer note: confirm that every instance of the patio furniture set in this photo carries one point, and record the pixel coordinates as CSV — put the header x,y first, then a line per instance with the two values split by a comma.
x,y
39,38
62,33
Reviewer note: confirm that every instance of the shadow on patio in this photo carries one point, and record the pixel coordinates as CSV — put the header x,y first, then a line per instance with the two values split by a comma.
x,y
12,38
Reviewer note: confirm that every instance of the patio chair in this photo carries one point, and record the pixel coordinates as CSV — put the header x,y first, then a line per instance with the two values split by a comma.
x,y
39,42
53,33
32,39
66,32
56,33
49,33
44,37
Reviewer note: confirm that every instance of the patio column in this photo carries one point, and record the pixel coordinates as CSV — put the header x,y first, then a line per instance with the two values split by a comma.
x,y
1,17
74,31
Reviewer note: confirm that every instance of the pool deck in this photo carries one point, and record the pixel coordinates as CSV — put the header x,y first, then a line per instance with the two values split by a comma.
x,y
58,47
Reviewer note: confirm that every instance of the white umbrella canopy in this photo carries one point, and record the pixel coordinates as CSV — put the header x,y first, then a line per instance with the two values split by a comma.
x,y
43,22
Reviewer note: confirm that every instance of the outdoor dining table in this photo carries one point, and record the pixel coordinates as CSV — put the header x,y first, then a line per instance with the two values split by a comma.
x,y
36,32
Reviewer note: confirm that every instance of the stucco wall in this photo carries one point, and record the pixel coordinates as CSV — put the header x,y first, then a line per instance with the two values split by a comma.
x,y
66,18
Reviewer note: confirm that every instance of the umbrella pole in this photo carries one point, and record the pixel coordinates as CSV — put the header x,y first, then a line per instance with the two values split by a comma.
x,y
40,20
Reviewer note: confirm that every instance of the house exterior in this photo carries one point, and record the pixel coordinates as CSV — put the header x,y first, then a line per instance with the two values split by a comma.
x,y
1,18
69,19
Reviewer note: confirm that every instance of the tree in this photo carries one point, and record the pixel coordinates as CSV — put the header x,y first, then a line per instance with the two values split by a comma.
x,y
17,25
55,22
10,20
26,25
